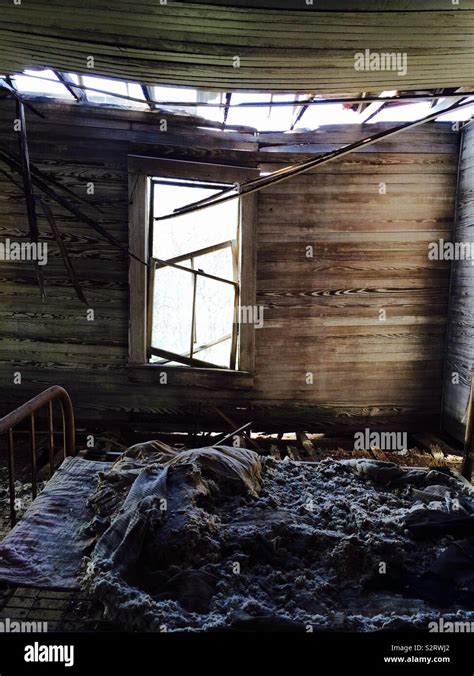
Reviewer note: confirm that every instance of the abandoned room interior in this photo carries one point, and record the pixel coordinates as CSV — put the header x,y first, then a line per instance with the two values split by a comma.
x,y
237,331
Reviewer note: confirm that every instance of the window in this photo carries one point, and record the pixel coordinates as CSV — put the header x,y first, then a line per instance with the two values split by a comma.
x,y
185,304
194,296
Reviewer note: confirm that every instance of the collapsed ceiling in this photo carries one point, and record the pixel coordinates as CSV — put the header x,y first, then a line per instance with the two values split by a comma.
x,y
218,47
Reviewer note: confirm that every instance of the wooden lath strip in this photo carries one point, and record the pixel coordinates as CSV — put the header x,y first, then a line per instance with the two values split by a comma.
x,y
28,189
62,248
234,426
13,162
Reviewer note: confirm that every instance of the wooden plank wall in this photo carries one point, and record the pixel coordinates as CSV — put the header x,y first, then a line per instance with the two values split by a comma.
x,y
322,313
460,350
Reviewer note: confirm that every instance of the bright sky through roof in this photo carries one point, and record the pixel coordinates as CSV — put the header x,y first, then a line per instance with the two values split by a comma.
x,y
265,118
30,85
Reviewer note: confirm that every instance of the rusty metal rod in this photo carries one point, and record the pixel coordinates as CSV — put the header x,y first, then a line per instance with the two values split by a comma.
x,y
8,422
239,430
11,478
34,487
25,410
51,437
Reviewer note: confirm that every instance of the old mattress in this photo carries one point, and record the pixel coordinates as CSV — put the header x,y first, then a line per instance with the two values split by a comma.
x,y
46,548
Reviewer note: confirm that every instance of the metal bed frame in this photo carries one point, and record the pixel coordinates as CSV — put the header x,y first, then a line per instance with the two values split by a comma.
x,y
28,409
61,610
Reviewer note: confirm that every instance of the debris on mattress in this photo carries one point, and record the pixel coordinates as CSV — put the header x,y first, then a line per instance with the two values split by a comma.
x,y
221,538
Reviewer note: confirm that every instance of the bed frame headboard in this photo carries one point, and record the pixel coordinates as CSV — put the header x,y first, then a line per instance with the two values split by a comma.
x,y
28,409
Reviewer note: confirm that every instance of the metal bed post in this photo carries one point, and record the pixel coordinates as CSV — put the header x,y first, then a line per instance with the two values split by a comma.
x,y
28,409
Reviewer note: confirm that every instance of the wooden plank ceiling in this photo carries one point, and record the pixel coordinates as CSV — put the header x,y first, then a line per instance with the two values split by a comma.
x,y
191,44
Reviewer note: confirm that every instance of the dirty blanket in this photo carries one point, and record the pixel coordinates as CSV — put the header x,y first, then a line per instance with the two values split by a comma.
x,y
221,538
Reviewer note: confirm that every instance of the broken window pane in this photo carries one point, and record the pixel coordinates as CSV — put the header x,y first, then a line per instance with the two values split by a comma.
x,y
203,241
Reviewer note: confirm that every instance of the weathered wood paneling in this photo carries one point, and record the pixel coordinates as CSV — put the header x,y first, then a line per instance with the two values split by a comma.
x,y
311,48
370,256
321,313
460,348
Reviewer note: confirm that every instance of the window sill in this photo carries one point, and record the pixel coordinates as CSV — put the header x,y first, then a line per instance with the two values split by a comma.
x,y
185,376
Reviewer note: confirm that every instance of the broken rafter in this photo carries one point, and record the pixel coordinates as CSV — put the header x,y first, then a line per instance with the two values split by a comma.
x,y
370,111
55,232
228,98
28,188
285,173
301,112
45,177
66,80
146,93
36,172
13,162
62,248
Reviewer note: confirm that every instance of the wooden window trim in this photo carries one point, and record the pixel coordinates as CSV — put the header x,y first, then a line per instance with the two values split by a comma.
x,y
140,169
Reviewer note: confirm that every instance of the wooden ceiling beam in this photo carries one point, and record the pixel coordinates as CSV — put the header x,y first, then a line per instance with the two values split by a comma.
x,y
68,82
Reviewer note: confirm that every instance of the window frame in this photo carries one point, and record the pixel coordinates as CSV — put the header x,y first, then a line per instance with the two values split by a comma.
x,y
141,170
193,360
